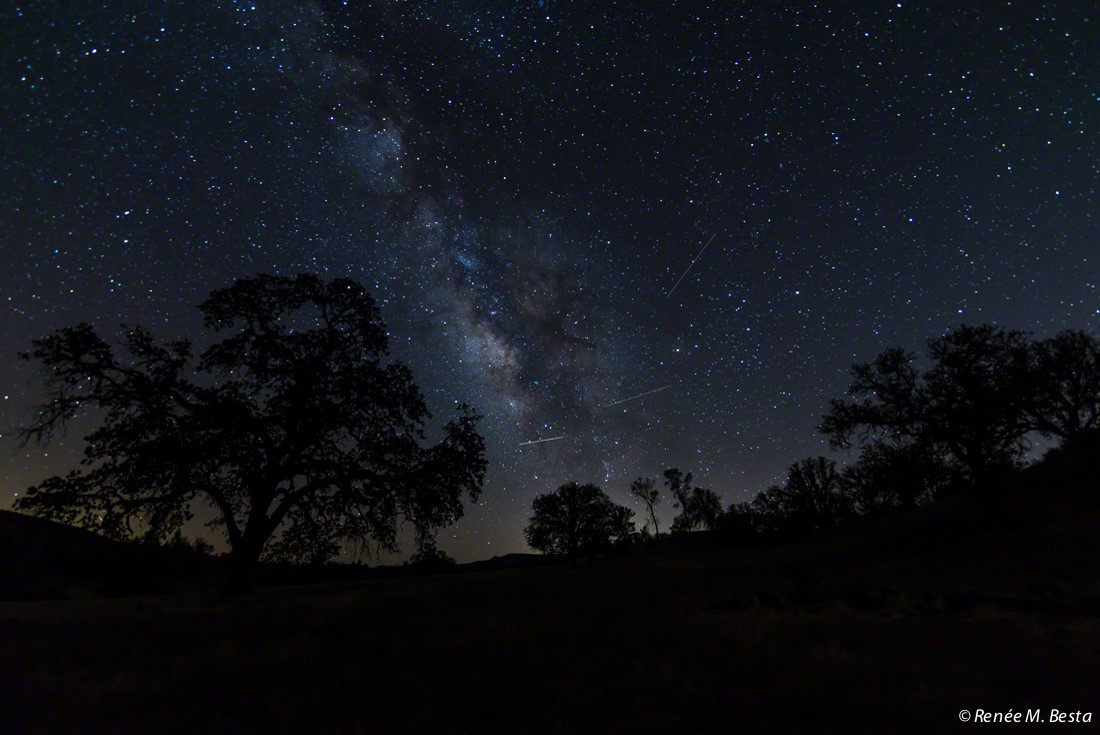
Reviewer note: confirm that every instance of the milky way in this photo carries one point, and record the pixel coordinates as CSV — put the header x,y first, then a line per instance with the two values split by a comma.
x,y
521,184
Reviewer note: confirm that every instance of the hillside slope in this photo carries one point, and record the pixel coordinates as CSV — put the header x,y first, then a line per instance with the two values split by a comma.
x,y
1033,543
43,559
894,625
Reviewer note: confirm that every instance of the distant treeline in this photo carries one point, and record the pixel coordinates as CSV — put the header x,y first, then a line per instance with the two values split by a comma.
x,y
961,419
299,434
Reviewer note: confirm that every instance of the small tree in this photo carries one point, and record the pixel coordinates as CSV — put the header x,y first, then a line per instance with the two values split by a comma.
x,y
293,427
679,485
428,556
621,529
814,496
575,520
702,510
646,490
811,500
769,511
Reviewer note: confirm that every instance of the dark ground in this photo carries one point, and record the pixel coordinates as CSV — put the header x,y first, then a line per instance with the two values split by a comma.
x,y
894,625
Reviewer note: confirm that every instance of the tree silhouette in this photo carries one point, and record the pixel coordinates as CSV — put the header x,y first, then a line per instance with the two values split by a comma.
x,y
1061,385
889,406
813,493
620,524
811,500
575,520
769,510
961,423
429,557
705,508
292,426
679,485
646,490
892,475
975,400
699,507
740,524
965,412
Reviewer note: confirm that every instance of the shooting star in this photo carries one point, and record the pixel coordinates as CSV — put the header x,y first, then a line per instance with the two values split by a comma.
x,y
689,266
634,398
540,441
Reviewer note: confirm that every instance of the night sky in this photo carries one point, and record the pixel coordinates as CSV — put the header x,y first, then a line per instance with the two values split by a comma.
x,y
520,185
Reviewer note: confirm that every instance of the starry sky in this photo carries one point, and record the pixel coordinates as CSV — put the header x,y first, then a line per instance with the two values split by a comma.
x,y
521,184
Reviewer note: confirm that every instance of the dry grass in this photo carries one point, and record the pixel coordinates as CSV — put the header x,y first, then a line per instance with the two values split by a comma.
x,y
631,646
892,626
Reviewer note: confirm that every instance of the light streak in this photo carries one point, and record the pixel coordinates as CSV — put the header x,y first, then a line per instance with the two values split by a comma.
x,y
689,266
640,395
540,441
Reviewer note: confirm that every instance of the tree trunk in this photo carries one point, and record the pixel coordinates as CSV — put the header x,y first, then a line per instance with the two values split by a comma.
x,y
242,570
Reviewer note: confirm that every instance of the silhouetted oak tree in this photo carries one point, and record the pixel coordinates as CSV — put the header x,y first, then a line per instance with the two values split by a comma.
x,y
811,500
577,519
893,475
292,425
813,494
975,400
966,410
1061,385
961,422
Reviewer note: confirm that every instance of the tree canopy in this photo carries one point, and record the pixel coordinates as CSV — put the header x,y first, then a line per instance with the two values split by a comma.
x,y
293,426
577,519
958,419
699,507
973,410
646,490
811,500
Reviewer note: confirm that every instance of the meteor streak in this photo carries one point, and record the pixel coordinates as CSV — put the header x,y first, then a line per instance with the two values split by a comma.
x,y
640,395
540,441
689,266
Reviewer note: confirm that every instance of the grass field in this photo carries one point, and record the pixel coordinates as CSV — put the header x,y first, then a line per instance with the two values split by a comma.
x,y
892,626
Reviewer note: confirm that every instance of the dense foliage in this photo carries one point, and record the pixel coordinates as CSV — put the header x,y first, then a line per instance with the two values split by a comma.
x,y
959,420
960,424
577,519
699,507
292,425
